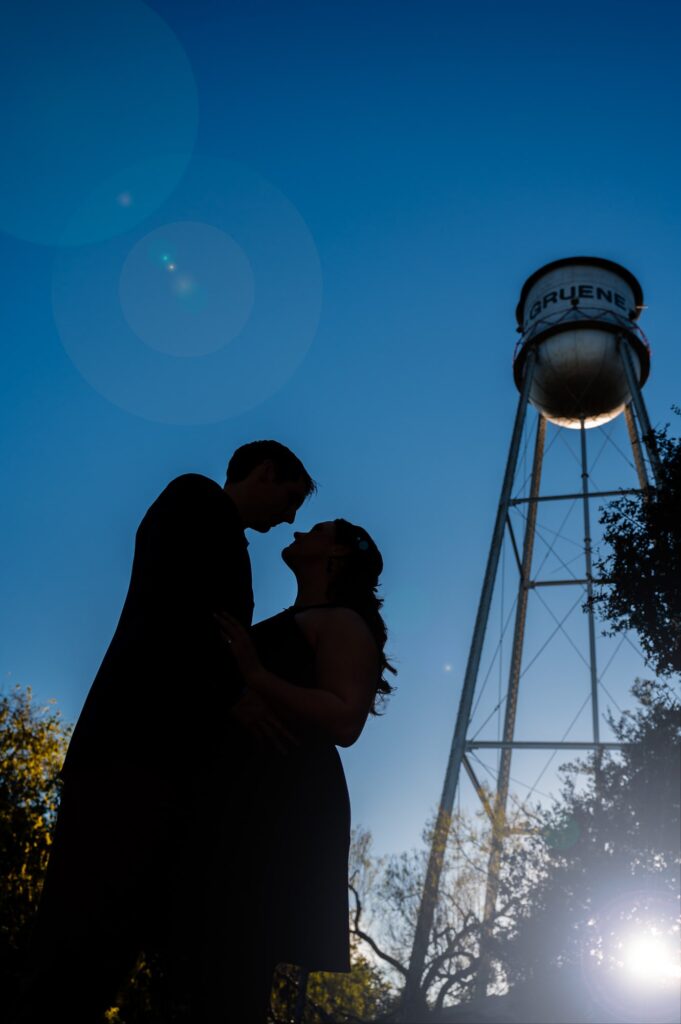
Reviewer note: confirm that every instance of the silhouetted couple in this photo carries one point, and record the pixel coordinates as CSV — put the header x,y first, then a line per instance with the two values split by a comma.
x,y
204,819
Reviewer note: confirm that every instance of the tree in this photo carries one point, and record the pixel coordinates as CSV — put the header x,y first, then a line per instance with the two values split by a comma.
x,y
362,995
614,869
386,893
643,534
578,881
33,742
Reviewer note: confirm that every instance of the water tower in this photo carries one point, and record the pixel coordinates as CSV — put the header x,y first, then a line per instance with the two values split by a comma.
x,y
581,361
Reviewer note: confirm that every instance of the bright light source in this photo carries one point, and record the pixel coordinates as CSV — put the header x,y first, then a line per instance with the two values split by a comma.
x,y
650,958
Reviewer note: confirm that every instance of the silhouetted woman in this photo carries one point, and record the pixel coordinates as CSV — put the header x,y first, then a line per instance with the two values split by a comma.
x,y
319,666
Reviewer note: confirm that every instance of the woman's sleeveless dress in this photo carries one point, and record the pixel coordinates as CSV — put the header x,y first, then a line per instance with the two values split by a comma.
x,y
289,833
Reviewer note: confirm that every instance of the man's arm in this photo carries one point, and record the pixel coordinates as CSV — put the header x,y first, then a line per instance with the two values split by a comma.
x,y
346,673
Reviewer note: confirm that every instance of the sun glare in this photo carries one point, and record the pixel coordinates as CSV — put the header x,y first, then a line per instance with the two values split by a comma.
x,y
650,958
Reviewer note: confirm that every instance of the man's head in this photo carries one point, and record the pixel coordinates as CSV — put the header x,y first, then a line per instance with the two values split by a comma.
x,y
267,483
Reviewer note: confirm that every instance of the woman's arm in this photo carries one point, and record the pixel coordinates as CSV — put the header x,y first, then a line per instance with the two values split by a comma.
x,y
346,673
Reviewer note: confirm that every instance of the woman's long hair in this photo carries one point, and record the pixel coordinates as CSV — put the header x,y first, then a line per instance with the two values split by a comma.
x,y
355,587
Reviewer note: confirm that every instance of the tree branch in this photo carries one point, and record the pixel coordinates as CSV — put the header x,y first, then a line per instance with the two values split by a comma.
x,y
367,938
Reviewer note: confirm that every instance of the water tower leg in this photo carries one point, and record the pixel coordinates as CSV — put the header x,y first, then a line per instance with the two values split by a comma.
x,y
589,588
501,799
635,442
412,997
648,436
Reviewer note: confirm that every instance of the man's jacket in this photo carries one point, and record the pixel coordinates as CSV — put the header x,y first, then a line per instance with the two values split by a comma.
x,y
158,702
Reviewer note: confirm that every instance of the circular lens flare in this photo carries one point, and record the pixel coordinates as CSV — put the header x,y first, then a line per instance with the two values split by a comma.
x,y
186,289
80,161
206,312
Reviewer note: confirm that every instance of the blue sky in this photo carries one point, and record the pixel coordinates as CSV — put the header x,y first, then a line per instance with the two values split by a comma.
x,y
371,184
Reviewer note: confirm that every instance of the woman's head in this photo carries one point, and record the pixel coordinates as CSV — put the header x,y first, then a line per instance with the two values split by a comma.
x,y
338,551
359,562
346,563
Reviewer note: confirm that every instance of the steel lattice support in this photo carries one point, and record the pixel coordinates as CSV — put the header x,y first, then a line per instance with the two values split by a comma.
x,y
499,814
642,440
411,997
593,670
648,437
635,442
507,745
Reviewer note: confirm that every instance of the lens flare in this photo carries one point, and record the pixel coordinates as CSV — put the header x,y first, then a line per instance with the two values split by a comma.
x,y
650,958
204,313
87,81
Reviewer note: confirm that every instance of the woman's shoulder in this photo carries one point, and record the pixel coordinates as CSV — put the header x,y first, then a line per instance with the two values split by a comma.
x,y
328,621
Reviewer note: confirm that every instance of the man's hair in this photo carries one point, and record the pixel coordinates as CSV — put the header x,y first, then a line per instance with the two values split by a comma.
x,y
287,466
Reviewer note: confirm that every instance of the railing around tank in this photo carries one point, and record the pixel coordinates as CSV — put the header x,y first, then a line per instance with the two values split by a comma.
x,y
586,315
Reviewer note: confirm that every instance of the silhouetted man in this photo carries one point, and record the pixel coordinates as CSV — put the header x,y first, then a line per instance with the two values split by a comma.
x,y
125,873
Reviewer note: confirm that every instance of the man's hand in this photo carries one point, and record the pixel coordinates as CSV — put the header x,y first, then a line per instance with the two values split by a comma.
x,y
253,715
240,644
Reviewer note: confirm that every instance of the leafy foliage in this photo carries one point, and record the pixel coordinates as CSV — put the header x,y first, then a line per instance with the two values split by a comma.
x,y
363,994
615,847
32,745
386,894
643,534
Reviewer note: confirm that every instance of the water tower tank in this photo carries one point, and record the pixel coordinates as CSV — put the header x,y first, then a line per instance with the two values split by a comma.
x,y
573,312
